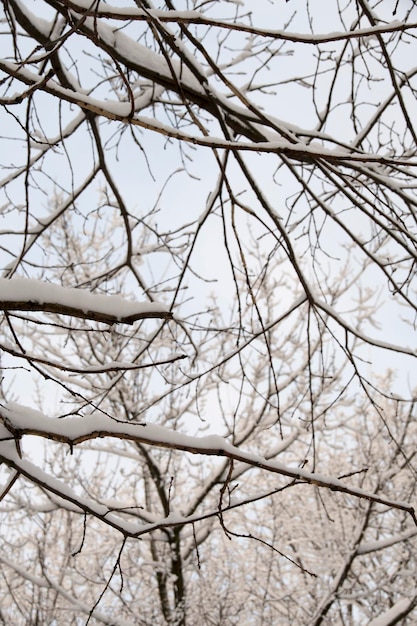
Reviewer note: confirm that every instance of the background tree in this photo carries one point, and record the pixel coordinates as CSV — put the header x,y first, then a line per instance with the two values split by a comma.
x,y
208,248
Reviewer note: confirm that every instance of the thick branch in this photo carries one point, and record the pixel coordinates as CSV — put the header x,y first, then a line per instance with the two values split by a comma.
x,y
20,420
19,294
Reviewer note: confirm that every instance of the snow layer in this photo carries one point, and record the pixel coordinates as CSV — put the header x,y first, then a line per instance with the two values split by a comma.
x,y
20,293
393,614
19,420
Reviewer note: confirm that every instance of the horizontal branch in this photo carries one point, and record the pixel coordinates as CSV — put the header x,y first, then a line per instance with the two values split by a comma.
x,y
96,316
19,294
110,366
261,139
192,17
20,420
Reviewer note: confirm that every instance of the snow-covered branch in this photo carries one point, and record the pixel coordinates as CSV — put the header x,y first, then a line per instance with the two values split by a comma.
x,y
21,420
19,294
251,174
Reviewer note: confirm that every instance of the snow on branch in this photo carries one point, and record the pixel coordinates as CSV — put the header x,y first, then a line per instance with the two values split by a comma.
x,y
260,140
105,10
21,420
21,294
397,612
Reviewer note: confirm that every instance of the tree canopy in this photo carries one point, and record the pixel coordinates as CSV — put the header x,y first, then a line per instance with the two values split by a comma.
x,y
208,244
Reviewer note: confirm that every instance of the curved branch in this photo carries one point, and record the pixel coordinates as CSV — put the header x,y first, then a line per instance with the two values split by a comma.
x,y
19,420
